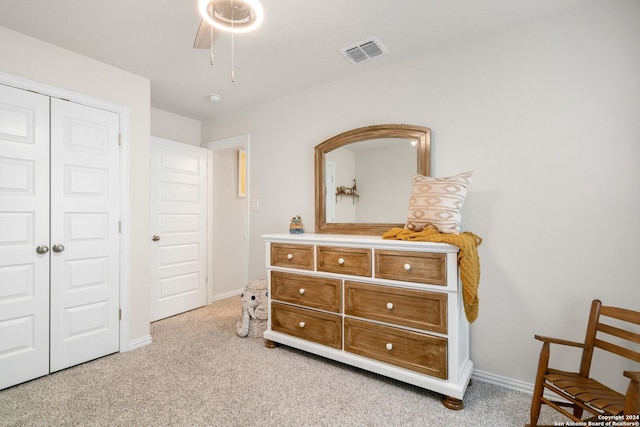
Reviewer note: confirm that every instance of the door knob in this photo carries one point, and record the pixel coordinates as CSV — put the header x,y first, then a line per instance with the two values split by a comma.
x,y
42,249
57,247
155,238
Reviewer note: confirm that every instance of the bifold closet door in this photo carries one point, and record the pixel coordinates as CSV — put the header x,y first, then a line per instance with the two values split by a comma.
x,y
85,217
24,235
59,234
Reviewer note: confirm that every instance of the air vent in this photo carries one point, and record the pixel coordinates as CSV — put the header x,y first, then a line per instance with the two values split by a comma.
x,y
364,51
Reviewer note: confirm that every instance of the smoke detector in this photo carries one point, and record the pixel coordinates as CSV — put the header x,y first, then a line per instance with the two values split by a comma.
x,y
214,97
364,51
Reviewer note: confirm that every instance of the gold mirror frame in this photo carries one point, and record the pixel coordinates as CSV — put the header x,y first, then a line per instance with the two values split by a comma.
x,y
421,134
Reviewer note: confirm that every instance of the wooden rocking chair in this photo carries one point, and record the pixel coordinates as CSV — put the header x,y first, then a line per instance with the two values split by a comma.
x,y
578,391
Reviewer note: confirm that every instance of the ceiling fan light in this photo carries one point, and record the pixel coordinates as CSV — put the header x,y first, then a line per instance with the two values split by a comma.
x,y
213,12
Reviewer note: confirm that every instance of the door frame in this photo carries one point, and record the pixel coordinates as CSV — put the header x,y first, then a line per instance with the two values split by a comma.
x,y
123,112
243,142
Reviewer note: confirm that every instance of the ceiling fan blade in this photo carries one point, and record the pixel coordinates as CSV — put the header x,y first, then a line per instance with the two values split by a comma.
x,y
205,36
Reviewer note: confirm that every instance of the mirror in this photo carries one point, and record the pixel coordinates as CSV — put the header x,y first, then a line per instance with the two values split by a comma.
x,y
363,177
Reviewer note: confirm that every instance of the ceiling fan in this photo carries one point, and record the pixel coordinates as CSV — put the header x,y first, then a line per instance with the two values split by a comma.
x,y
234,16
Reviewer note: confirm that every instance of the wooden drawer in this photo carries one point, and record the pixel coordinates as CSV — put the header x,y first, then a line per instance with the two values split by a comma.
x,y
406,307
292,256
310,325
353,261
411,350
407,266
315,292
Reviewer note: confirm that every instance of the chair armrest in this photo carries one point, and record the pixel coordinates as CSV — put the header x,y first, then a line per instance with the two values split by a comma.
x,y
633,375
559,341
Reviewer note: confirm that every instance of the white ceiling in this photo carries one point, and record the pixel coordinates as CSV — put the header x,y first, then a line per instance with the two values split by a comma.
x,y
295,48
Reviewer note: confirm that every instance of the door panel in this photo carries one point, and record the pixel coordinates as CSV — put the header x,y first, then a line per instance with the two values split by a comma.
x,y
24,225
85,217
178,219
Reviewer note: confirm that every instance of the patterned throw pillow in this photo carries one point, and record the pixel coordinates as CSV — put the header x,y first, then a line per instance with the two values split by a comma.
x,y
437,201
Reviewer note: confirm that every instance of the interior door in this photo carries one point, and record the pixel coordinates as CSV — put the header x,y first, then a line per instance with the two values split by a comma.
x,y
85,216
178,222
330,191
24,226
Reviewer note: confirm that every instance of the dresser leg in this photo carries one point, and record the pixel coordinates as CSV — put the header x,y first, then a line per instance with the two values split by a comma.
x,y
270,344
453,403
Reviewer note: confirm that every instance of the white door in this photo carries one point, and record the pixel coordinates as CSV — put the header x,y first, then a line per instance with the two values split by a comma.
x,y
85,216
24,225
330,191
178,222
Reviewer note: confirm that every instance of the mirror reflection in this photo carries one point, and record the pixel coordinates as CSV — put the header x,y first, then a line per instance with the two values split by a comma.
x,y
357,190
363,177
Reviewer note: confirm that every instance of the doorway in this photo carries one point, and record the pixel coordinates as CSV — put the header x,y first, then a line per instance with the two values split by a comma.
x,y
229,216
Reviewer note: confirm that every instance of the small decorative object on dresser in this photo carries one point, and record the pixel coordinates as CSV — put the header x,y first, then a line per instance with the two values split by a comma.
x,y
296,226
388,306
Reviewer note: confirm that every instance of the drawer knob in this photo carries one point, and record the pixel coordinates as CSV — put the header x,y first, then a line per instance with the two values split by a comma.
x,y
302,324
289,256
407,267
341,261
389,346
389,305
301,291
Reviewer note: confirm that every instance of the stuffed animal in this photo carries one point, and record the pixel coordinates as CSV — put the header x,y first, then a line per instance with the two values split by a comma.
x,y
254,307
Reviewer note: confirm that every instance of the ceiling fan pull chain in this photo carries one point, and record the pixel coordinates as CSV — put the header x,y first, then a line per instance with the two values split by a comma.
x,y
233,66
211,44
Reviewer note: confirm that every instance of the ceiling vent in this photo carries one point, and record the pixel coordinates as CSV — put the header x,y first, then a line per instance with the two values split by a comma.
x,y
364,51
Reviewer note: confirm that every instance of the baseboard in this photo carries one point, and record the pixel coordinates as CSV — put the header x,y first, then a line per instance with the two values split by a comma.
x,y
512,384
502,381
233,293
139,342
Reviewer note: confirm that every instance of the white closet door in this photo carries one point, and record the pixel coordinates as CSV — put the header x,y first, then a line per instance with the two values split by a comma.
x,y
85,217
24,225
178,208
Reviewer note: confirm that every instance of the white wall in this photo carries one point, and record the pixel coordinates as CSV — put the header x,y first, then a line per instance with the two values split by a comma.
x,y
175,127
547,117
229,218
384,183
35,60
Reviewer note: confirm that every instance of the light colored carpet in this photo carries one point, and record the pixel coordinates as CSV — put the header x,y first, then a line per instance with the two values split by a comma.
x,y
198,372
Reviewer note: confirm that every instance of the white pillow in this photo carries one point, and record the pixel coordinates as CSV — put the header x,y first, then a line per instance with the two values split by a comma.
x,y
437,201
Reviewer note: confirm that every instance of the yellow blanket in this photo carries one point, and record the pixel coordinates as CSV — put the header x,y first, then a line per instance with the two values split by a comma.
x,y
468,259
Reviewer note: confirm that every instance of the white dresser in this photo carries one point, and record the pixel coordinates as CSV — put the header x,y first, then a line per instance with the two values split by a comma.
x,y
387,306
